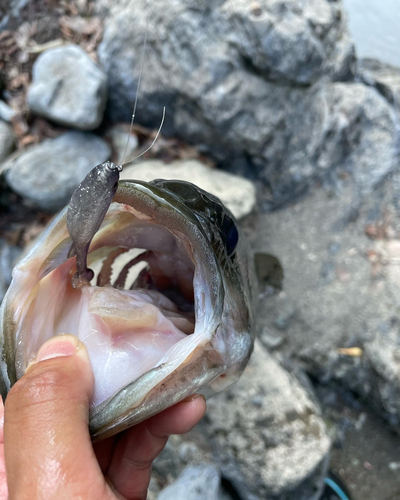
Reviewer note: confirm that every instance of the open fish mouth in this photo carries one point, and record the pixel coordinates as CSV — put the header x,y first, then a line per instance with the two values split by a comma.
x,y
167,313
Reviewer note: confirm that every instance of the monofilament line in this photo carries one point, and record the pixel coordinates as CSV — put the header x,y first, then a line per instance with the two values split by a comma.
x,y
152,144
139,80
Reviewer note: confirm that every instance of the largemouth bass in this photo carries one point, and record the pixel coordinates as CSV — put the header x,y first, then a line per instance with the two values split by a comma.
x,y
183,326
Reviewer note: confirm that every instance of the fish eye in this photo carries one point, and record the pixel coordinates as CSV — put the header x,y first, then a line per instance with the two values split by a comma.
x,y
230,235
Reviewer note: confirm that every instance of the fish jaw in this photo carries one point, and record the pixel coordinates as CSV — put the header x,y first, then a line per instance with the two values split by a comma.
x,y
207,360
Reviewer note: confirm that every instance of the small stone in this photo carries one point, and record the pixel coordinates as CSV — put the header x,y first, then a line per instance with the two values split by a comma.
x,y
394,465
6,113
237,193
153,489
334,248
201,482
362,419
7,140
187,451
68,88
257,401
328,271
272,340
48,173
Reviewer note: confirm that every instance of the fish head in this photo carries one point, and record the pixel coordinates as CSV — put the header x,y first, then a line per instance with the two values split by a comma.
x,y
182,324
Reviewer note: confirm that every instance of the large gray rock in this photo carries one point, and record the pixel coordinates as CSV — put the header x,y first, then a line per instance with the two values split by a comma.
x,y
337,312
237,79
384,77
268,435
7,140
48,173
201,482
237,193
265,434
342,130
68,88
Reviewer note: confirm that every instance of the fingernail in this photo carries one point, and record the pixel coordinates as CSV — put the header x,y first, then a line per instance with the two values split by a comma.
x,y
192,398
57,347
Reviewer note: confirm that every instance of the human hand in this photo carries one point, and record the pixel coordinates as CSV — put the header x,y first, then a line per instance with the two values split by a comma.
x,y
48,451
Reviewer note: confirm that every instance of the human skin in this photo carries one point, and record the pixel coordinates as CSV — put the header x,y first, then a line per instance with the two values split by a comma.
x,y
45,449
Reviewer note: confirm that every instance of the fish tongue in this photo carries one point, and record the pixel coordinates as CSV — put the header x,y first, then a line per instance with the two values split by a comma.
x,y
126,335
126,312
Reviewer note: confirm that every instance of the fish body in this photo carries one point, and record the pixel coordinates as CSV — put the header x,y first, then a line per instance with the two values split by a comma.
x,y
184,325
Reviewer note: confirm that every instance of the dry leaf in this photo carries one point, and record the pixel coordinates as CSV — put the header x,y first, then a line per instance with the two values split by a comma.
x,y
354,352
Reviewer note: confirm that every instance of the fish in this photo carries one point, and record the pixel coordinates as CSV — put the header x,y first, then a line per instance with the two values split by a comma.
x,y
173,318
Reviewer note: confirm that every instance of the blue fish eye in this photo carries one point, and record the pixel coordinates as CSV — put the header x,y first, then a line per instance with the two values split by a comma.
x,y
230,234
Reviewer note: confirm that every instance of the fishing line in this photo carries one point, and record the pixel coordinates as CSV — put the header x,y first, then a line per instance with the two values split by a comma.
x,y
139,80
152,144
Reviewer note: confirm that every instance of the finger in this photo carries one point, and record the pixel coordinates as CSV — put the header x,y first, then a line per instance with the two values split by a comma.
x,y
47,444
1,421
134,453
104,452
180,418
3,478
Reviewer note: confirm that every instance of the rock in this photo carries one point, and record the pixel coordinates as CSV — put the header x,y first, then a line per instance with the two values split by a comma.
x,y
268,435
342,130
201,482
383,355
384,77
237,80
272,444
340,291
191,450
6,113
68,88
12,11
9,256
7,140
48,173
237,193
271,341
289,42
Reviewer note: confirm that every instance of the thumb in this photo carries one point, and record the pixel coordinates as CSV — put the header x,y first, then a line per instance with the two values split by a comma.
x,y
48,451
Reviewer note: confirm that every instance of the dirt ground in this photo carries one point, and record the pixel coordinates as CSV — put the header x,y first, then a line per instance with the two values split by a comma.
x,y
369,462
